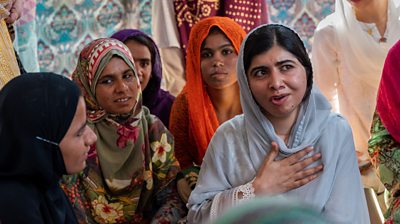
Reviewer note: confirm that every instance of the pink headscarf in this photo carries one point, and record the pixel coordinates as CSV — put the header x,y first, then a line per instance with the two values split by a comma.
x,y
388,101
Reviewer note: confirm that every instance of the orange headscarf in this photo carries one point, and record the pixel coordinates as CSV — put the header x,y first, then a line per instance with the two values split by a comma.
x,y
202,117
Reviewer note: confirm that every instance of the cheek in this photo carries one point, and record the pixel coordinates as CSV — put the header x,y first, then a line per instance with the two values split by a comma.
x,y
102,96
148,72
203,68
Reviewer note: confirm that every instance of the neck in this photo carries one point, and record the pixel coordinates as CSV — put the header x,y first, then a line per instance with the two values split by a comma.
x,y
375,12
283,125
226,102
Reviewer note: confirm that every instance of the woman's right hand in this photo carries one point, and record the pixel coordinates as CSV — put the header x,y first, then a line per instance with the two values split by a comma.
x,y
279,176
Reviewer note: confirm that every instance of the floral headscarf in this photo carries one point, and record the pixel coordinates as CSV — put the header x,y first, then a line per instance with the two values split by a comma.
x,y
133,157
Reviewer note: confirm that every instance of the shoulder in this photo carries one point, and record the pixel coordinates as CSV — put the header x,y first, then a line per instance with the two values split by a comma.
x,y
326,30
229,135
19,200
180,108
337,130
167,95
339,121
181,98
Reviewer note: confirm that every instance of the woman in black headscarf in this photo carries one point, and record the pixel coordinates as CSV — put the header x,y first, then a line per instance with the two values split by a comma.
x,y
43,135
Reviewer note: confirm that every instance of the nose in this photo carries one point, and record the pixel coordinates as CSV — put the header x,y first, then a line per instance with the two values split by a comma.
x,y
121,85
139,69
276,81
218,60
90,137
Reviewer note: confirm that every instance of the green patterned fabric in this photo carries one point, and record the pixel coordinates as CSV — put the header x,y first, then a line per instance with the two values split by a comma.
x,y
385,155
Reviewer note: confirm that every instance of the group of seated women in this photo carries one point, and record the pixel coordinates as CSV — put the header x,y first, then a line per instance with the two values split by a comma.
x,y
248,123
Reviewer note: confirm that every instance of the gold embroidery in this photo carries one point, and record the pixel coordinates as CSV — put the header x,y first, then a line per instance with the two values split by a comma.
x,y
8,63
193,11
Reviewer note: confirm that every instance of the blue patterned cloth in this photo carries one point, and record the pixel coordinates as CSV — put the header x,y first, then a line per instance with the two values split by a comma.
x,y
61,29
53,39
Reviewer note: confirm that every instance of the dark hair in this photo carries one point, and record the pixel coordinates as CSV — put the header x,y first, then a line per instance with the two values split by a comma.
x,y
141,39
213,30
265,37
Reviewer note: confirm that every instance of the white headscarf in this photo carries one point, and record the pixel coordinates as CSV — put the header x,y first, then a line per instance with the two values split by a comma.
x,y
354,39
311,120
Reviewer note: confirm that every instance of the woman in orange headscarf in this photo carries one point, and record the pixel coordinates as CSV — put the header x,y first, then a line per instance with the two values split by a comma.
x,y
211,94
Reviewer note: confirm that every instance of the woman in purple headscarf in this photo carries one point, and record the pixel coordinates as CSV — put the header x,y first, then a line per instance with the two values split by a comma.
x,y
147,59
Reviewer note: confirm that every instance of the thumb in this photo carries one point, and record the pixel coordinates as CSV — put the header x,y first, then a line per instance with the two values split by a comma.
x,y
273,152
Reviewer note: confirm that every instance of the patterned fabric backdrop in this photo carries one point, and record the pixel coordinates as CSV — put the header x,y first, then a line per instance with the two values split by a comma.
x,y
61,29
51,35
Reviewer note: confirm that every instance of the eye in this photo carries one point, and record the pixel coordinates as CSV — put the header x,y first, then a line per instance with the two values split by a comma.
x,y
144,64
206,54
128,76
106,81
286,67
260,73
227,51
81,131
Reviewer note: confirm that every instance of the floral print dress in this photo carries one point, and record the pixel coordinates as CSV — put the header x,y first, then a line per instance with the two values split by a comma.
x,y
151,195
385,153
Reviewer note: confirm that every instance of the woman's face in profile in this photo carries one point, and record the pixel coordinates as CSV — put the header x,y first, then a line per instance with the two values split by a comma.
x,y
218,61
76,142
278,82
117,87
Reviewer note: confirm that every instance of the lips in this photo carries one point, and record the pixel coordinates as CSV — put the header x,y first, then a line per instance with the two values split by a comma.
x,y
279,99
122,99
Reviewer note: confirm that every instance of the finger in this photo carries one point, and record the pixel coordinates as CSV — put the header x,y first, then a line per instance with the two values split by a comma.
x,y
308,172
273,153
297,156
301,182
300,165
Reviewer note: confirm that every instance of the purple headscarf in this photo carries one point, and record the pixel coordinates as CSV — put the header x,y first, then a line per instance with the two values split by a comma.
x,y
157,100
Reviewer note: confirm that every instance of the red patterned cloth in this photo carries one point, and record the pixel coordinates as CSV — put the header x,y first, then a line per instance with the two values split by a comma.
x,y
388,100
248,14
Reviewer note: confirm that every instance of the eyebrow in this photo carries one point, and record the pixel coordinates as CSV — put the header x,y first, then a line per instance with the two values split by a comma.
x,y
83,126
284,61
128,70
222,46
258,67
111,75
142,59
276,64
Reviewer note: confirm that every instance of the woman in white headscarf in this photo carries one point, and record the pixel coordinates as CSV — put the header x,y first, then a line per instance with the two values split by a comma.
x,y
348,53
281,109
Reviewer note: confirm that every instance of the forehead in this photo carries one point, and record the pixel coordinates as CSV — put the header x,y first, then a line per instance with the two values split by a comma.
x,y
115,66
273,55
137,48
215,39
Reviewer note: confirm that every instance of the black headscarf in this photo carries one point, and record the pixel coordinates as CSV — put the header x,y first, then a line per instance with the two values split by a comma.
x,y
36,111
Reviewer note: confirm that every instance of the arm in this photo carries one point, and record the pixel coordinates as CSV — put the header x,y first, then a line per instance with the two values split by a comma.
x,y
179,127
325,61
346,203
170,208
214,192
